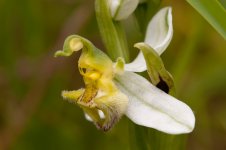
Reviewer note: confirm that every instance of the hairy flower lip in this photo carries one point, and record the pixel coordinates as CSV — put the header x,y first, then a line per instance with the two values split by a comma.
x,y
100,92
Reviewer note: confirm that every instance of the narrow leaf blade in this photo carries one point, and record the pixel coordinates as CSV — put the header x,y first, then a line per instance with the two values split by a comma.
x,y
213,12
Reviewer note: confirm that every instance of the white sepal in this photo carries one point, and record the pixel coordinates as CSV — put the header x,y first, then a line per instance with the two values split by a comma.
x,y
158,35
160,30
121,9
149,106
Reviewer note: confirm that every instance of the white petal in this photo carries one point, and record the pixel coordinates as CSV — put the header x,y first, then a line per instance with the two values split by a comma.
x,y
101,114
160,30
158,35
151,107
121,9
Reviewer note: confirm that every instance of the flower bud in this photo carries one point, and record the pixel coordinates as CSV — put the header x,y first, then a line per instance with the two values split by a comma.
x,y
121,9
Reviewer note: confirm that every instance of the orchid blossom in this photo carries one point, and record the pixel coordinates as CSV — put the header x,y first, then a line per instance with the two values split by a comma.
x,y
113,89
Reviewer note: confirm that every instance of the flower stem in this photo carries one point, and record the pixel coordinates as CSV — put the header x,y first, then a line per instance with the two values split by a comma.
x,y
138,137
162,141
111,31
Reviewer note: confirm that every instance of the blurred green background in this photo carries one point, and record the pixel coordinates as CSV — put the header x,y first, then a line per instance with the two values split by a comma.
x,y
33,115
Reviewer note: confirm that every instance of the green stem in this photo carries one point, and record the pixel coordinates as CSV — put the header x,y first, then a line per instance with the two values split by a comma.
x,y
137,137
162,141
111,31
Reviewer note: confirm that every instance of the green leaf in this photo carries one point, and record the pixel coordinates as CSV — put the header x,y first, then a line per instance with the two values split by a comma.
x,y
213,12
223,2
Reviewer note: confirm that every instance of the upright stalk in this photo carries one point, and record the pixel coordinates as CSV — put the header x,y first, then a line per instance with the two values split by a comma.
x,y
111,31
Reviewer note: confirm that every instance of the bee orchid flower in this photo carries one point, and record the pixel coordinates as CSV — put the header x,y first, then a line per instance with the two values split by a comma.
x,y
112,89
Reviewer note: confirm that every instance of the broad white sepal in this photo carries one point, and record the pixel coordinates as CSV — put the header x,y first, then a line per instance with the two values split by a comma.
x,y
158,35
121,9
160,30
149,106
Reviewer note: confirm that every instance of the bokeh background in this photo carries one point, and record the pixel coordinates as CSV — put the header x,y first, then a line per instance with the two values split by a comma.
x,y
33,115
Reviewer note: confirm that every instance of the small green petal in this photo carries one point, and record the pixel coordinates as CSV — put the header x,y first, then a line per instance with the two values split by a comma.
x,y
119,65
159,76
